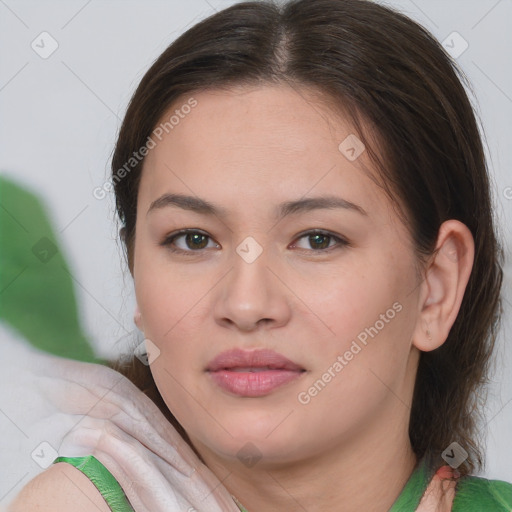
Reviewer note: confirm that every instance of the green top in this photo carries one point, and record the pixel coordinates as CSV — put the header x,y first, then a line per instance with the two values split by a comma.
x,y
103,479
473,494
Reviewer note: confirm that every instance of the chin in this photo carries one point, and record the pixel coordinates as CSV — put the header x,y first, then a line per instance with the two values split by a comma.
x,y
251,444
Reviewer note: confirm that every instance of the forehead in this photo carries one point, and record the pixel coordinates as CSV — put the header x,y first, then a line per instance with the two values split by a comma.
x,y
248,119
254,144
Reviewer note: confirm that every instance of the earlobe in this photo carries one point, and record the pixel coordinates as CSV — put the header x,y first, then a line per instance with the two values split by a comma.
x,y
446,278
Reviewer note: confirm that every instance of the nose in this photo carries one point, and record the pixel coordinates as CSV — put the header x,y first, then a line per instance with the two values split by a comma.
x,y
251,297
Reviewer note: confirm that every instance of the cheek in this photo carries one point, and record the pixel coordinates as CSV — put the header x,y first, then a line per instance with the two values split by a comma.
x,y
346,298
173,306
366,316
165,293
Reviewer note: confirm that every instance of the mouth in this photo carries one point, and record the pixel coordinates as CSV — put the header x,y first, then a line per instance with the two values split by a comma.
x,y
252,373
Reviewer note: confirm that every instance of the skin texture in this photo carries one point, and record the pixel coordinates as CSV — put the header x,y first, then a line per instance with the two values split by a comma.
x,y
60,488
247,150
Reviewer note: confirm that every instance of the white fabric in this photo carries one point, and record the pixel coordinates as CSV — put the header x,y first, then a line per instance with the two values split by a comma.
x,y
87,409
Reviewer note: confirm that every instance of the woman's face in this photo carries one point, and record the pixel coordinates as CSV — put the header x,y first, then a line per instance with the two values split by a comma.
x,y
292,249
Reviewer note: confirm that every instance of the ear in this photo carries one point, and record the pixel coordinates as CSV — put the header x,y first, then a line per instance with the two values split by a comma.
x,y
137,318
442,290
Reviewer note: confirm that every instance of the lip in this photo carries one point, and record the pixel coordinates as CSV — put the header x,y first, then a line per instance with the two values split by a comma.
x,y
252,373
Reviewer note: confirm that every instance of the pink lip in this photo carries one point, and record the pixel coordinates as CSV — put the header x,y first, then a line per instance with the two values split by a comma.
x,y
252,373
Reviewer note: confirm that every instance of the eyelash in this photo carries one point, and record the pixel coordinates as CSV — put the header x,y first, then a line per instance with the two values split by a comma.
x,y
341,242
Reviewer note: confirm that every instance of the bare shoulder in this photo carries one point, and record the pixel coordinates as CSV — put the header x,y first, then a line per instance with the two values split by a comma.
x,y
60,488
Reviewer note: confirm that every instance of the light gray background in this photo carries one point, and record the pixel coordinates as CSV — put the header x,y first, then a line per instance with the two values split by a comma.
x,y
60,116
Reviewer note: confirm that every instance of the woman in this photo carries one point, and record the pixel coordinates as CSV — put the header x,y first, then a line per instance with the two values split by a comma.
x,y
307,218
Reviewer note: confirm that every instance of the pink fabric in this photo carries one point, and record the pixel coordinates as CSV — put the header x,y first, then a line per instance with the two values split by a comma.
x,y
440,493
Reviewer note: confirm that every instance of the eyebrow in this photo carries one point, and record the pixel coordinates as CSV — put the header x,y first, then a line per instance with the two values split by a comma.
x,y
201,206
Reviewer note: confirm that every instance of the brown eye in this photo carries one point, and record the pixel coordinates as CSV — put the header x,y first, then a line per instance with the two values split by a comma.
x,y
196,240
319,241
187,241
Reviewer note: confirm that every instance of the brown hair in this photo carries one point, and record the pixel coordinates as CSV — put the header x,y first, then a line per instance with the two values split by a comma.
x,y
386,70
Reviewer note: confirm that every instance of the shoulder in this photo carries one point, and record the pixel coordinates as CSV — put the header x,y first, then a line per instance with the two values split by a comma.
x,y
475,493
60,488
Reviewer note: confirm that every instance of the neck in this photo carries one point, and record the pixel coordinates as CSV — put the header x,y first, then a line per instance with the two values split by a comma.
x,y
367,473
